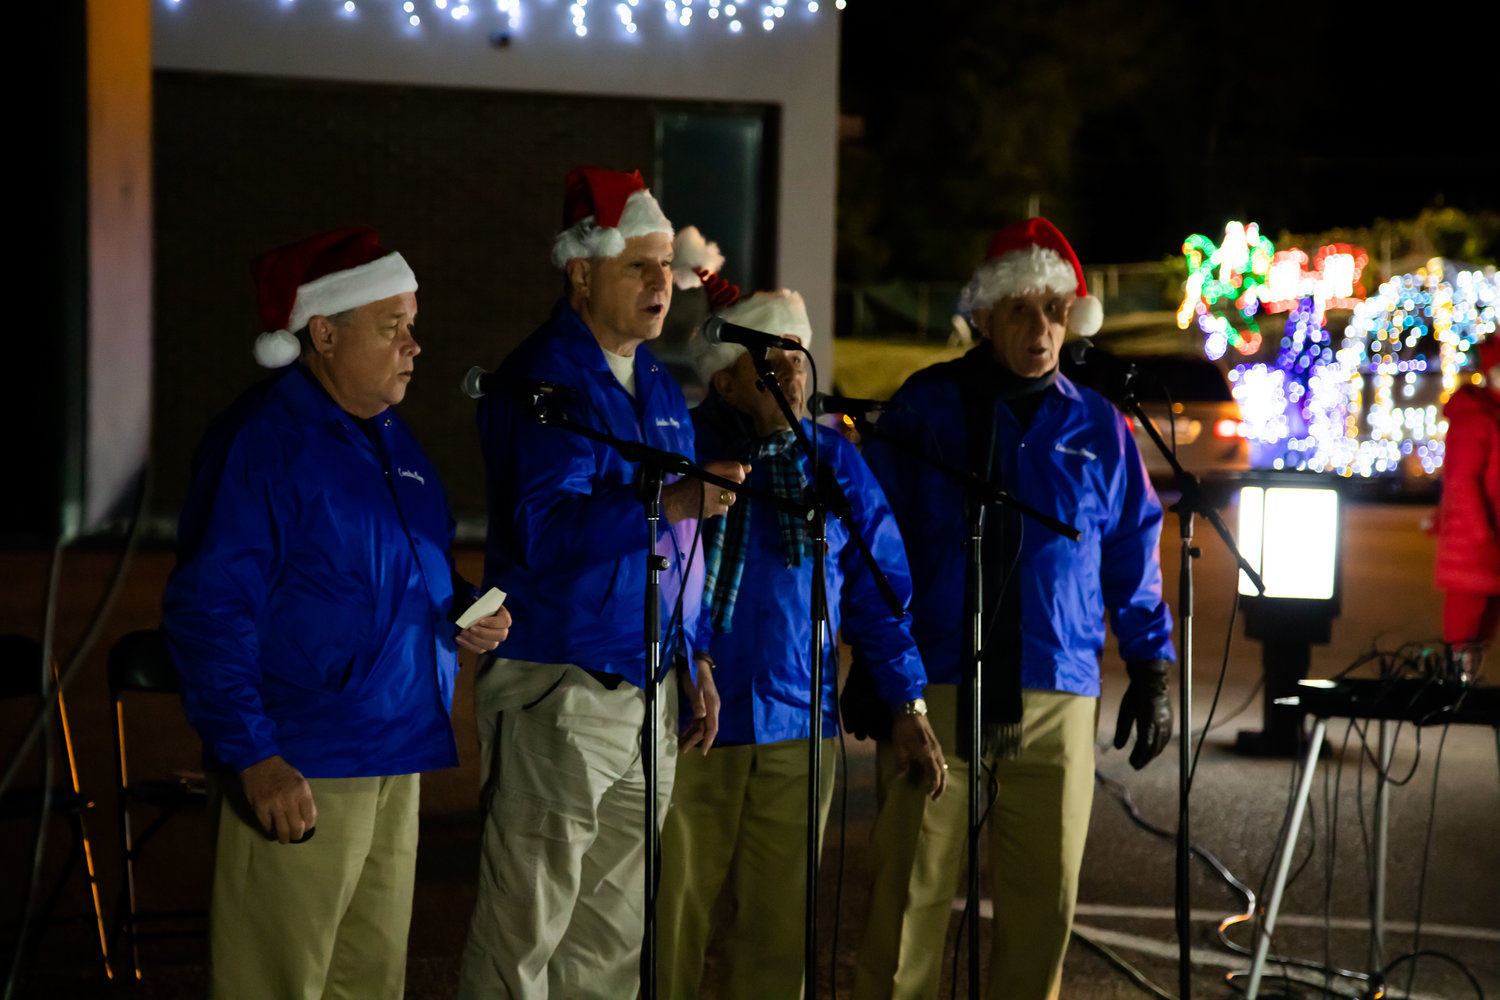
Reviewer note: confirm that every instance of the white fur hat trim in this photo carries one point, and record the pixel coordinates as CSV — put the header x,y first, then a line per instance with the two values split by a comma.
x,y
641,217
331,294
781,313
1034,269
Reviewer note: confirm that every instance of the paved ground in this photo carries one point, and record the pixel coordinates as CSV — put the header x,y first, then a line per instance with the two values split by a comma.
x,y
1126,897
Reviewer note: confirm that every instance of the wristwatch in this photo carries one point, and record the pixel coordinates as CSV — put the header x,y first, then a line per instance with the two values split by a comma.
x,y
917,706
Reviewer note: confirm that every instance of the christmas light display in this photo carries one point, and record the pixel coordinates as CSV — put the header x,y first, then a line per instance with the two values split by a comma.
x,y
1223,288
1374,405
1412,341
504,17
1331,283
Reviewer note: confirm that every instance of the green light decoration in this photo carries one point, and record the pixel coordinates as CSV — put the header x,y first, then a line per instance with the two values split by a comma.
x,y
1225,286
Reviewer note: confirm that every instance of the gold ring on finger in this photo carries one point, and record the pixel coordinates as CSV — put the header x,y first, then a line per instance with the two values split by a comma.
x,y
726,498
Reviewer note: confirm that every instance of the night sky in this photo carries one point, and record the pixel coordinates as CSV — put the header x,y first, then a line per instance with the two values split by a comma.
x,y
1136,127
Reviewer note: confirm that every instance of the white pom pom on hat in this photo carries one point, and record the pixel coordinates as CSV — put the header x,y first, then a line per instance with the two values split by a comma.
x,y
1033,256
692,253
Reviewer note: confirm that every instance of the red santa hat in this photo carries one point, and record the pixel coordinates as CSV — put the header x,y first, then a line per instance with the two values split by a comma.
x,y
601,210
1033,256
320,276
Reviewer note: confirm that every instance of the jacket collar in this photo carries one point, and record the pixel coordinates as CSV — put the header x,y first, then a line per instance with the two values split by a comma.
x,y
311,403
582,349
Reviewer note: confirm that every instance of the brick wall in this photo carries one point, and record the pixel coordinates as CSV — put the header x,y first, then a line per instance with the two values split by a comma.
x,y
467,184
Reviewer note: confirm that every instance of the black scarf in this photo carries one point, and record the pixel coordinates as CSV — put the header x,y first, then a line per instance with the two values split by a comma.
x,y
987,390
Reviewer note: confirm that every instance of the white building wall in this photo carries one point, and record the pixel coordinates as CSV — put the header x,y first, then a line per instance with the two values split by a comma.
x,y
794,66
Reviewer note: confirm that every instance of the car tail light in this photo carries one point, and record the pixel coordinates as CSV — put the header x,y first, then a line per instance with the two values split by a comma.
x,y
1227,428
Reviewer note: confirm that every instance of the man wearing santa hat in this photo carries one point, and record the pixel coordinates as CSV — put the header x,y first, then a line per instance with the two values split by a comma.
x,y
739,813
1004,412
561,883
309,617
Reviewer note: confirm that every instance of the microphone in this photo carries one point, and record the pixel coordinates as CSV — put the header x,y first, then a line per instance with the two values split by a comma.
x,y
1082,352
478,383
1108,374
718,330
823,403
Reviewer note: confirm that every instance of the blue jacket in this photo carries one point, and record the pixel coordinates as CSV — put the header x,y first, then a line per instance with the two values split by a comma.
x,y
764,659
308,610
567,534
1078,462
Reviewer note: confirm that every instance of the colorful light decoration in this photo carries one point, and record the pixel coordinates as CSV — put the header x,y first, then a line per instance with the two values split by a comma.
x,y
504,17
1373,406
1412,340
1332,282
1223,288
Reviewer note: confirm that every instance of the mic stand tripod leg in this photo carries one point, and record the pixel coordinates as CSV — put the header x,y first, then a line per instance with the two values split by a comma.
x,y
1284,863
650,487
1382,832
975,727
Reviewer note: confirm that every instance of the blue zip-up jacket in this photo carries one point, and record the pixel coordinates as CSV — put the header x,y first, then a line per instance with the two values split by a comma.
x,y
764,659
567,533
1078,462
308,613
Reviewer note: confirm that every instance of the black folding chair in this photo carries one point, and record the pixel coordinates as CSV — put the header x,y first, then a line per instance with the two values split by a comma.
x,y
139,664
21,677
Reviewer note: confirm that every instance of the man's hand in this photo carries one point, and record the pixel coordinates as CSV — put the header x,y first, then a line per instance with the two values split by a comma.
x,y
486,633
1148,707
918,753
704,700
680,500
281,798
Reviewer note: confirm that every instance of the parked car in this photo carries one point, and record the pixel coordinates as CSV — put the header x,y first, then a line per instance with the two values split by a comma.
x,y
1190,402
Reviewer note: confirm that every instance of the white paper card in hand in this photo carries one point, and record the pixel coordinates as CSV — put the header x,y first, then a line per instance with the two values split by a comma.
x,y
482,608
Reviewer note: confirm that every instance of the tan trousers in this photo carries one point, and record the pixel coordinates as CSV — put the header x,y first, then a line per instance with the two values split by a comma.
x,y
327,918
1037,829
739,817
561,897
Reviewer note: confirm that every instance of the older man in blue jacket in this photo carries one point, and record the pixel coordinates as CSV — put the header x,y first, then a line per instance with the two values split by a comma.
x,y
309,616
739,813
561,882
1004,412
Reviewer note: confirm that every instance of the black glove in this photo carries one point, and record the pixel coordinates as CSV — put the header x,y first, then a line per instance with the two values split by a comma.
x,y
865,713
1148,707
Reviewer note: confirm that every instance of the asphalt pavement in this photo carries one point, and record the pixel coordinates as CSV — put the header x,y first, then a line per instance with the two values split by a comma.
x,y
1443,864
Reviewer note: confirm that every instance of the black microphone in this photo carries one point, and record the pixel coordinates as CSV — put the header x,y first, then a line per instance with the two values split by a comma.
x,y
718,330
477,383
823,403
1107,374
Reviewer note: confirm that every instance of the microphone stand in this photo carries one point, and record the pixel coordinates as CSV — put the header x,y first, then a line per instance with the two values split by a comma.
x,y
981,494
1191,502
655,465
827,496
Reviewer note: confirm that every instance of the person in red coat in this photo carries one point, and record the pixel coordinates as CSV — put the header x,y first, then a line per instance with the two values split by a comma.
x,y
1468,551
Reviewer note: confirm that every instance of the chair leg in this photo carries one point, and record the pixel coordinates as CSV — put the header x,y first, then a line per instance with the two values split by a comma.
x,y
127,887
82,845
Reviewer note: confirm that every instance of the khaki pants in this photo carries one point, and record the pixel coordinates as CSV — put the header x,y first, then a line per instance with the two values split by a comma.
x,y
561,898
1037,829
739,816
327,918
